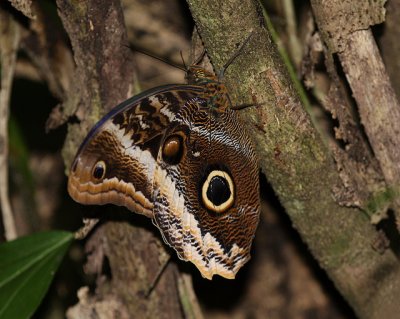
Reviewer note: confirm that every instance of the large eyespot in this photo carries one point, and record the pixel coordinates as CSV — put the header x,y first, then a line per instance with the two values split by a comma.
x,y
172,149
218,191
99,170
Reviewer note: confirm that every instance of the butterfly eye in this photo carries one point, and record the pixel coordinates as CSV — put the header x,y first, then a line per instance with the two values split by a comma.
x,y
173,149
218,191
99,170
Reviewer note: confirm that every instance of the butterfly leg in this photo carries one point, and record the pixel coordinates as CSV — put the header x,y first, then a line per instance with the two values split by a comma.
x,y
157,277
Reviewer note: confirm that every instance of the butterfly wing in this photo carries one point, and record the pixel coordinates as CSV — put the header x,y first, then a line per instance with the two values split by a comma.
x,y
116,162
167,155
206,190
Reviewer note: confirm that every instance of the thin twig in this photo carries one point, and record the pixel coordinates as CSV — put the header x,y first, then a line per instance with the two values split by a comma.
x,y
291,29
190,305
9,40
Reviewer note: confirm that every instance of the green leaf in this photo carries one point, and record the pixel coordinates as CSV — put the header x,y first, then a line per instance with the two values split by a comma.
x,y
27,267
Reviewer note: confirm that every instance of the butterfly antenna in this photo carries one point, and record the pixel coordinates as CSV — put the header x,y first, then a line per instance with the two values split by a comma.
x,y
157,277
233,57
210,128
183,60
203,53
145,52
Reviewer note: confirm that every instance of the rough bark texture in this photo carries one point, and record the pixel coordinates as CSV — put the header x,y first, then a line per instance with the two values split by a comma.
x,y
25,6
390,43
295,160
359,170
104,70
377,103
126,259
337,19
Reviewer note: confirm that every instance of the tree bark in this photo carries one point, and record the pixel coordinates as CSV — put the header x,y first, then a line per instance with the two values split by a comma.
x,y
377,103
390,45
296,161
126,258
378,107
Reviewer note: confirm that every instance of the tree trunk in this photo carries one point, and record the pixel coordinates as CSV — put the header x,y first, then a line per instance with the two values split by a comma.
x,y
126,258
296,161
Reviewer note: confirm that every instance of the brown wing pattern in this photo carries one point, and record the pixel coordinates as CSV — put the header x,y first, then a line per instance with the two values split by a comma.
x,y
216,241
179,155
116,162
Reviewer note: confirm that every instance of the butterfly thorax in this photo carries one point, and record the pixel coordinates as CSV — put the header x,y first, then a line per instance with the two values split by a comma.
x,y
214,91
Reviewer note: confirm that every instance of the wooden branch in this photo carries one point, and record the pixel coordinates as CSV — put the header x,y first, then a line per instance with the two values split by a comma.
x,y
9,42
377,103
127,258
389,44
295,160
25,6
133,256
378,106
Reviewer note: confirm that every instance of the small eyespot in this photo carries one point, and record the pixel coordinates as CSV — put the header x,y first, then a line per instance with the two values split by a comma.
x,y
218,191
172,150
99,170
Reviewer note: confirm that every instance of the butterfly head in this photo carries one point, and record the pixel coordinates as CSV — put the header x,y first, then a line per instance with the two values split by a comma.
x,y
197,75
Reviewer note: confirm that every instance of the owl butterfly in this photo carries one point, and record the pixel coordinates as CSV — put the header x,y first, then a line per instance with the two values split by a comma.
x,y
181,156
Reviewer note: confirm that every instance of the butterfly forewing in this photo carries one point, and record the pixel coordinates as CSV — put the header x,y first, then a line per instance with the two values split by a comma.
x,y
116,162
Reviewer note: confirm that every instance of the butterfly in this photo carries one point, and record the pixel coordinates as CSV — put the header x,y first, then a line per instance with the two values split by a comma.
x,y
180,155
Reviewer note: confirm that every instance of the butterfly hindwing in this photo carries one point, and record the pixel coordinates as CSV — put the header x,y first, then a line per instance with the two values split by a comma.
x,y
206,205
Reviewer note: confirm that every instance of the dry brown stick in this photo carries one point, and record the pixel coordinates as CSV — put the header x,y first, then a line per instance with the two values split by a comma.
x,y
389,43
377,103
9,41
345,29
25,6
291,30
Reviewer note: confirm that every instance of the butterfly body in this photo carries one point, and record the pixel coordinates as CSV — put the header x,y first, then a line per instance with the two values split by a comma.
x,y
179,155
